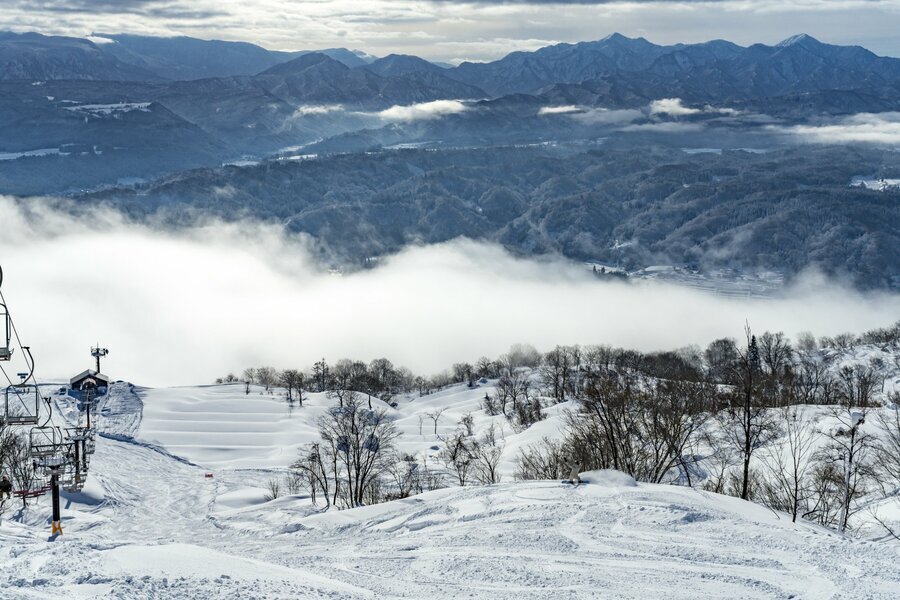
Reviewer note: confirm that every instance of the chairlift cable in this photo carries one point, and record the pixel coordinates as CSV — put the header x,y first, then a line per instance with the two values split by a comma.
x,y
30,359
26,353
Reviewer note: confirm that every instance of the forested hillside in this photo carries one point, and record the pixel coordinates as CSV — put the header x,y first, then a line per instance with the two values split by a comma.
x,y
787,210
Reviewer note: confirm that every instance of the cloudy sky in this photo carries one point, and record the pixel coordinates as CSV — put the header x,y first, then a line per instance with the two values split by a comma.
x,y
453,31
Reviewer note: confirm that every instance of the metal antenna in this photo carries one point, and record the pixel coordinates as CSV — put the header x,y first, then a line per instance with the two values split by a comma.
x,y
98,353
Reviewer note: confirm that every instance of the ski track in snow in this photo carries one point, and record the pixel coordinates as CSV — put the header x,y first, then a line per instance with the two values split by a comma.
x,y
150,524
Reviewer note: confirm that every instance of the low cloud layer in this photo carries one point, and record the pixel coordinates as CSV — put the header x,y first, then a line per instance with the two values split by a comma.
x,y
183,308
881,128
316,109
423,111
674,107
560,110
603,116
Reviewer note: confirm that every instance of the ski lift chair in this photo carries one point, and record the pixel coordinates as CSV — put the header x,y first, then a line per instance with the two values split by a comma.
x,y
90,442
76,485
38,488
6,351
46,442
21,405
81,441
68,477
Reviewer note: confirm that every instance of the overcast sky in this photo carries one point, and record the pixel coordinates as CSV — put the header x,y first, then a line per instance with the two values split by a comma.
x,y
454,31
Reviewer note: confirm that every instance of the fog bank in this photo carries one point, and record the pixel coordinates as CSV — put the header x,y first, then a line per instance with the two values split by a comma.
x,y
186,307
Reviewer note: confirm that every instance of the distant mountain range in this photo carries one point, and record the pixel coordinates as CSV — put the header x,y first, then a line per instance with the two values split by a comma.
x,y
613,72
684,153
209,102
713,70
122,57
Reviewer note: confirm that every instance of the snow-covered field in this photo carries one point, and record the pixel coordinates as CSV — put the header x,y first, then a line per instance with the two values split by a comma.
x,y
158,528
152,524
878,184
109,109
27,153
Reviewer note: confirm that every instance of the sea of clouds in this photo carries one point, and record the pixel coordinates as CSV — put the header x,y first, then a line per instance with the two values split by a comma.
x,y
183,307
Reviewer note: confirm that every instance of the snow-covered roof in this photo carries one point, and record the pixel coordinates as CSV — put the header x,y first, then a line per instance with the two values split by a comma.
x,y
89,373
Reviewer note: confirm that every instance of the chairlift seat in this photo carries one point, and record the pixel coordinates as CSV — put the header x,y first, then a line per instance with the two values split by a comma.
x,y
5,353
21,405
21,420
31,492
45,442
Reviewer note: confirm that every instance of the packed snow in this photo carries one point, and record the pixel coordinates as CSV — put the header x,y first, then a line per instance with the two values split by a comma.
x,y
177,506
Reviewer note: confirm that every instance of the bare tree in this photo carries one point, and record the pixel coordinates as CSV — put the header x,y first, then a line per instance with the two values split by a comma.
x,y
806,343
485,367
273,490
852,447
458,456
321,375
513,387
720,461
383,378
487,453
341,394
316,469
468,422
857,384
7,440
745,420
435,416
789,465
266,376
522,355
292,379
20,465
720,356
812,381
641,429
544,460
293,482
406,477
490,405
464,372
775,352
888,450
555,372
357,444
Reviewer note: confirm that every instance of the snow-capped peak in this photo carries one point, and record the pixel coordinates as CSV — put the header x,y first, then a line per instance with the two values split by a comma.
x,y
800,38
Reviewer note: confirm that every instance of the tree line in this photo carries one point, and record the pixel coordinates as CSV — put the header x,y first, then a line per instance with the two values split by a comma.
x,y
730,418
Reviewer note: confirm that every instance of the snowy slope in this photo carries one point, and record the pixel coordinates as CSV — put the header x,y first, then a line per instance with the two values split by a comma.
x,y
222,427
152,524
160,534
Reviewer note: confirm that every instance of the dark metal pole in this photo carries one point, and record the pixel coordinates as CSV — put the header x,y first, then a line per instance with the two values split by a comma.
x,y
98,362
77,449
56,528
